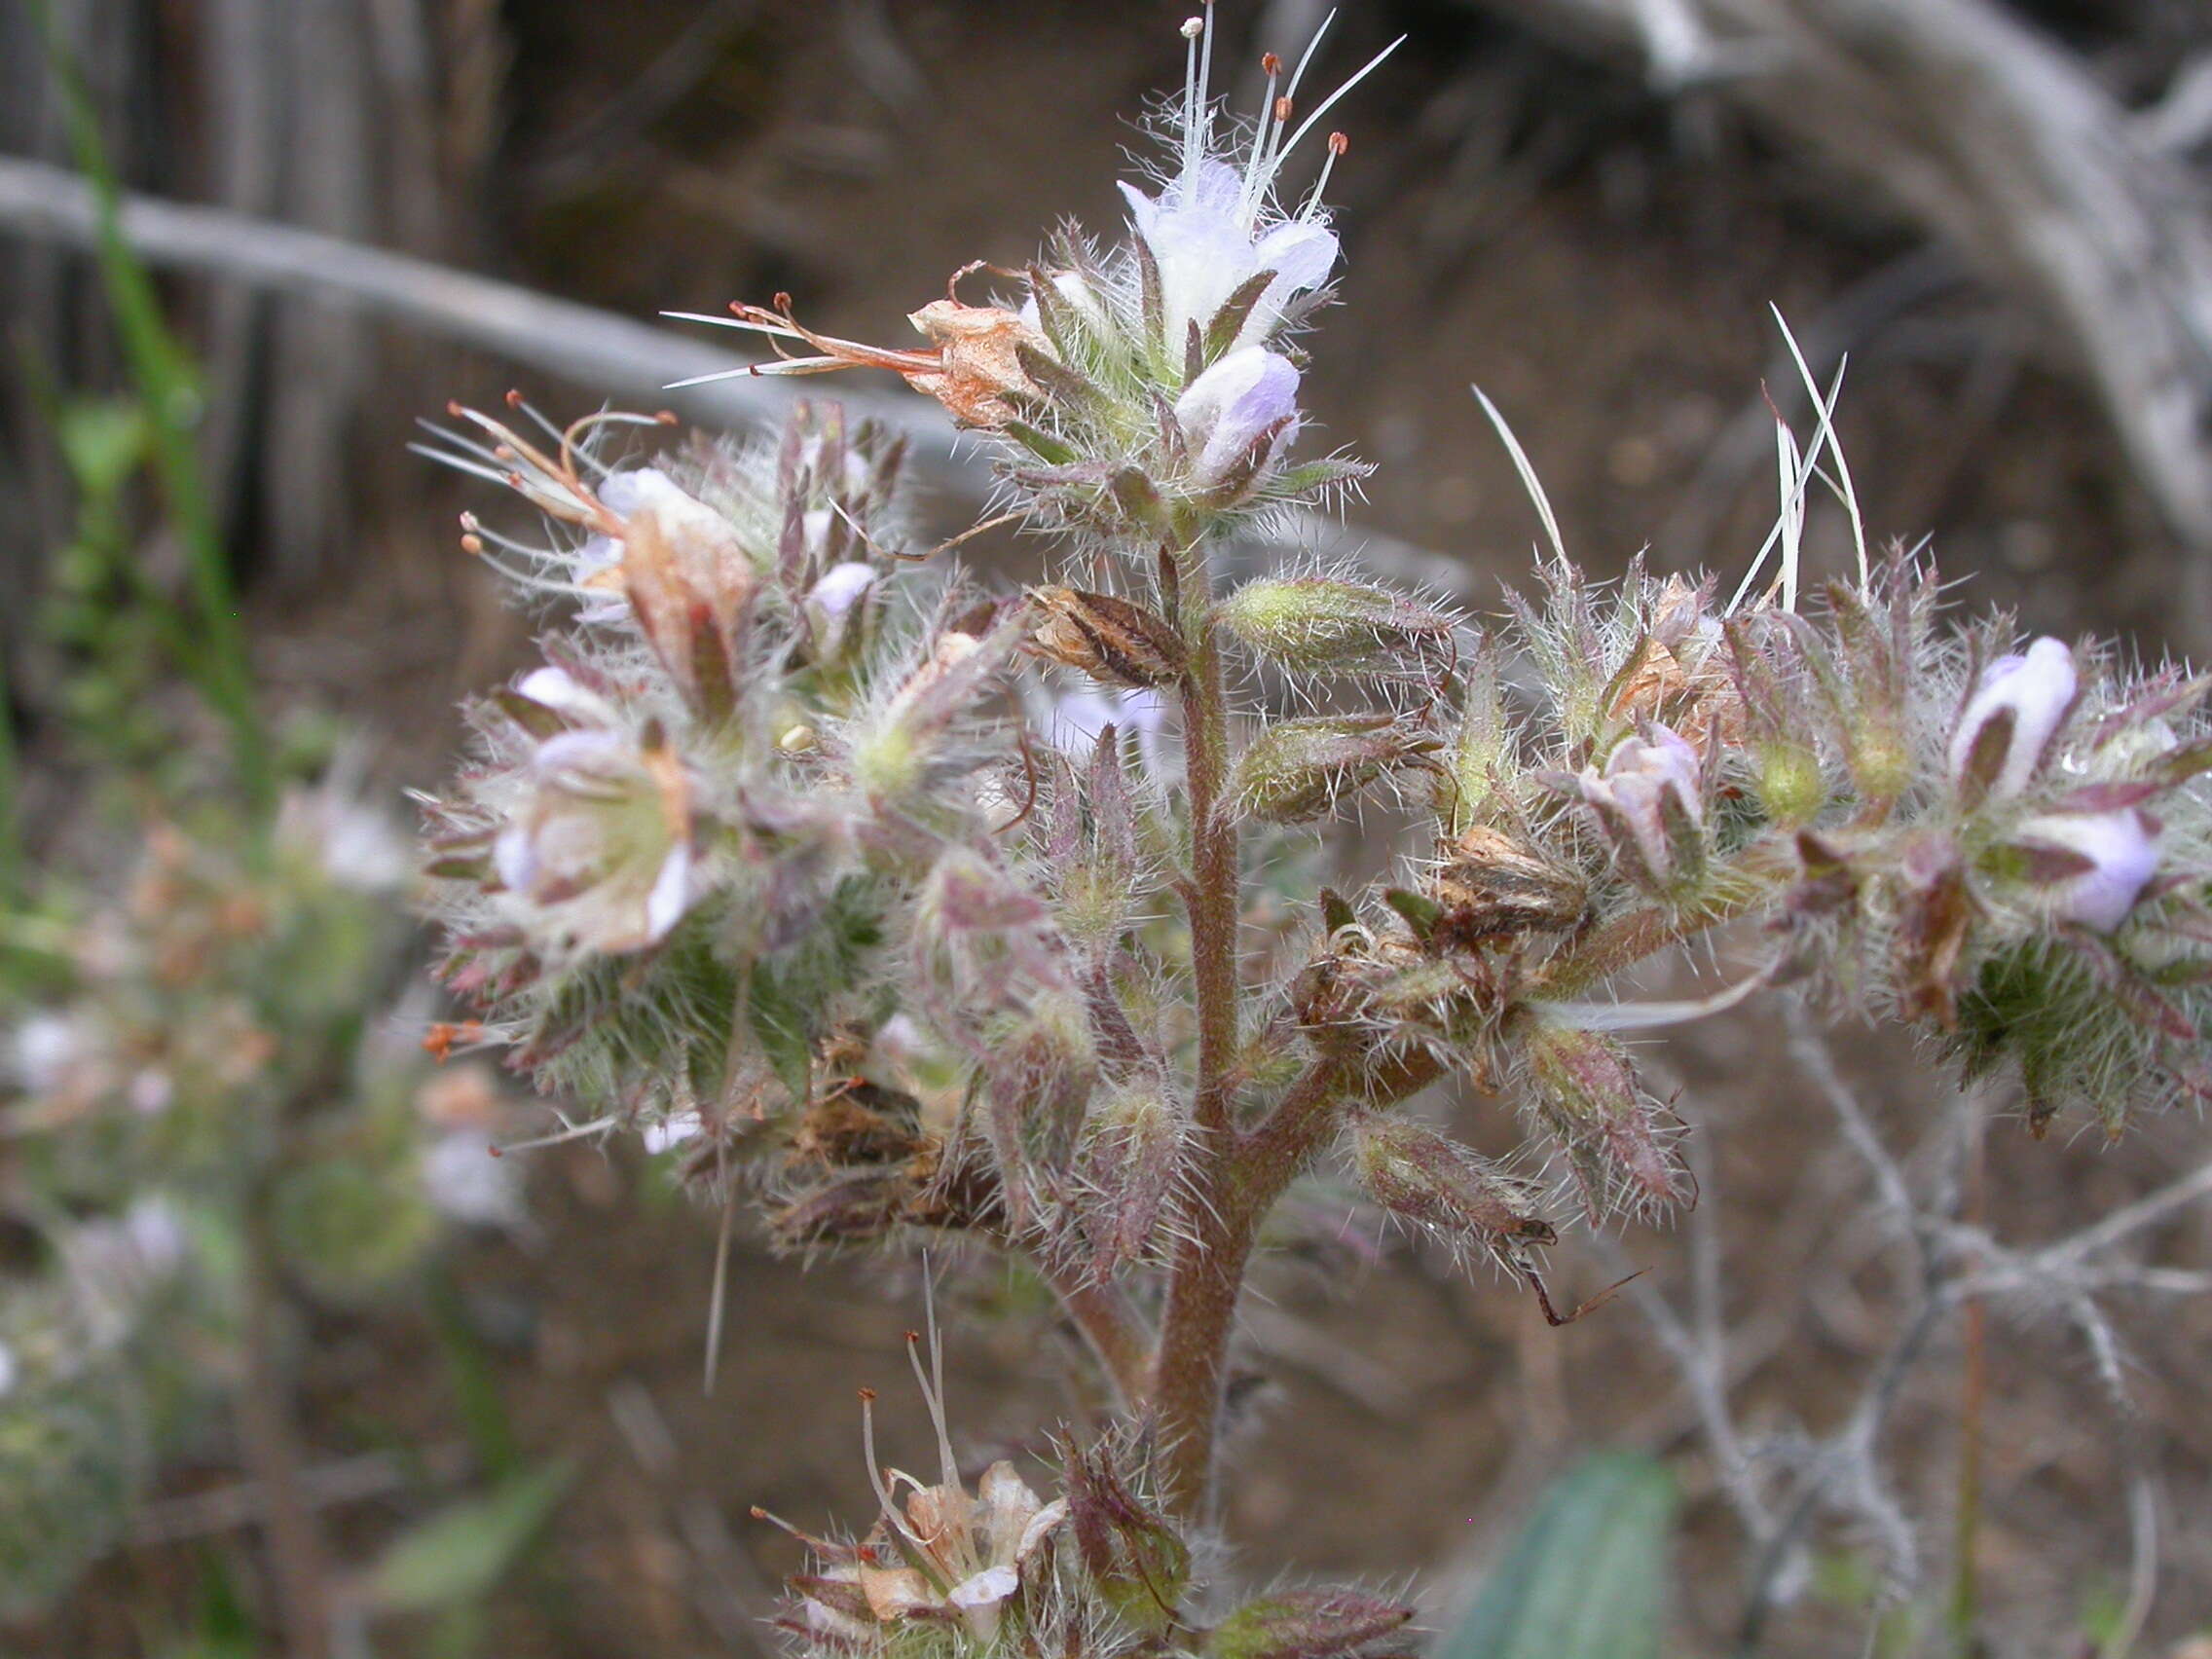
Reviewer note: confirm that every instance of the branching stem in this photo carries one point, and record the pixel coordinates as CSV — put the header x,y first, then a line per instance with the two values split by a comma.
x,y
1113,1330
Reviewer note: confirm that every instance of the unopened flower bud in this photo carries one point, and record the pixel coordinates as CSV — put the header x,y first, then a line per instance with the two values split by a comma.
x,y
1324,625
1585,1090
1040,1069
2017,707
2090,866
1132,1146
1316,1623
1237,415
1432,1182
836,602
1109,638
1790,787
1297,770
1129,1547
1650,797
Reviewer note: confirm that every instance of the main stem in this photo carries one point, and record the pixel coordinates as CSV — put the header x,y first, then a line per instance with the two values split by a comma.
x,y
1209,1263
1207,1273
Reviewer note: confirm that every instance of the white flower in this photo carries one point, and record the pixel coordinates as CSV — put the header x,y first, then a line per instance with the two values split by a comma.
x,y
50,1048
2112,856
2031,694
1207,243
1234,406
976,1547
672,1130
357,845
601,848
1215,226
112,1266
558,691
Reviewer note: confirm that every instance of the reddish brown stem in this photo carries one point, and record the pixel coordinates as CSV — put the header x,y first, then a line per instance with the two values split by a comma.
x,y
1209,1269
1113,1329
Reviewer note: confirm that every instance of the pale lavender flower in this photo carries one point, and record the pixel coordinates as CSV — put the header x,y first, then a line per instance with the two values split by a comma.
x,y
1232,407
1073,719
1207,242
598,854
1215,225
835,601
1648,780
2033,692
2120,854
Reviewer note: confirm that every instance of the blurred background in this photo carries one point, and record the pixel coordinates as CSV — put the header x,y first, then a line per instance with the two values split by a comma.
x,y
2002,214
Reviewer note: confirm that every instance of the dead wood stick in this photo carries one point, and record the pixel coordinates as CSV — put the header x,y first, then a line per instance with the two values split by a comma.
x,y
616,355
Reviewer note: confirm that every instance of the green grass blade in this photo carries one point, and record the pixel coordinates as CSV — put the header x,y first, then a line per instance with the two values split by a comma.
x,y
162,374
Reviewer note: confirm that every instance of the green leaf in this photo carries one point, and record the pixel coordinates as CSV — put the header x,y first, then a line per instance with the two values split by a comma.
x,y
1043,445
780,1026
459,1554
1587,1576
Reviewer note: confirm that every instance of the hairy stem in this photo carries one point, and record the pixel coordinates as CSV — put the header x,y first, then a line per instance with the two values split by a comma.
x,y
1208,1265
1208,1271
1113,1330
1214,899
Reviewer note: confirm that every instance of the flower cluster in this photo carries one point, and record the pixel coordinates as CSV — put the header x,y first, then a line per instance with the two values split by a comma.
x,y
90,1386
951,915
1995,847
1146,389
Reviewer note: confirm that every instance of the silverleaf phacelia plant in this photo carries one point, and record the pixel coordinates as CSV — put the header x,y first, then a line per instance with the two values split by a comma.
x,y
936,912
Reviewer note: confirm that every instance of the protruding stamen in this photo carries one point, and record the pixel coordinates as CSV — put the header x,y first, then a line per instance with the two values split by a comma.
x,y
1258,168
1306,56
572,449
821,1546
1193,29
919,1555
947,1472
1338,145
